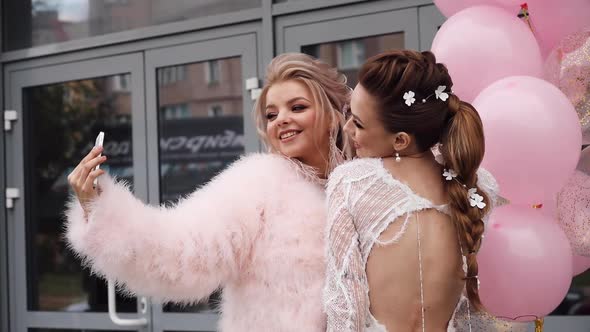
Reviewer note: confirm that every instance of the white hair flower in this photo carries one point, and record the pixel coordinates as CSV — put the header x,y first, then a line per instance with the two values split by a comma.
x,y
409,98
449,174
440,93
475,199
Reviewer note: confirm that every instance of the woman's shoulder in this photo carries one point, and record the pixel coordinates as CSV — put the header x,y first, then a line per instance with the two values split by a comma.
x,y
487,182
353,171
270,168
359,167
253,168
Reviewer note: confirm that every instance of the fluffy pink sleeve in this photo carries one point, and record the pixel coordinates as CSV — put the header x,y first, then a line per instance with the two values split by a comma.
x,y
181,253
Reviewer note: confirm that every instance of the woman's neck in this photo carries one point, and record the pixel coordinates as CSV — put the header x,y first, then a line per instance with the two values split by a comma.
x,y
320,167
418,159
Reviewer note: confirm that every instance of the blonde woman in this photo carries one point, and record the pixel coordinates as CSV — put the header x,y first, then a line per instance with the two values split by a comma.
x,y
256,230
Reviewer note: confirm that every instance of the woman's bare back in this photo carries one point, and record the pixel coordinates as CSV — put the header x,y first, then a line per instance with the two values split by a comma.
x,y
394,270
393,274
373,258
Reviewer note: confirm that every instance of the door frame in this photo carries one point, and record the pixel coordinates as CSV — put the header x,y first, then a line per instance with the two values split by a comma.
x,y
429,18
15,82
239,40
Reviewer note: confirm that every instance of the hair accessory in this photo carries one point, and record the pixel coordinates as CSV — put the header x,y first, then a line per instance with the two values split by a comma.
x,y
465,268
409,98
440,93
475,199
449,174
475,277
465,265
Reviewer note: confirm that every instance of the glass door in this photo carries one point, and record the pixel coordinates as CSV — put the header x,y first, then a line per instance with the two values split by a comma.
x,y
61,109
173,116
199,121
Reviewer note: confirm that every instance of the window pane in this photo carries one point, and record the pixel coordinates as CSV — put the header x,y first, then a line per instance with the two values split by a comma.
x,y
349,55
29,23
61,123
201,132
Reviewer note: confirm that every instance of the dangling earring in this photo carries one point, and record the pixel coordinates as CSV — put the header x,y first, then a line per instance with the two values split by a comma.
x,y
397,157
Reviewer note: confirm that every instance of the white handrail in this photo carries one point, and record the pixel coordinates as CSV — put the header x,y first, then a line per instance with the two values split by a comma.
x,y
113,310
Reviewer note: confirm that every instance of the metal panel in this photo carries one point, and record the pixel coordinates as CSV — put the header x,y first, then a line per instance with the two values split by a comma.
x,y
137,46
201,23
4,314
345,23
292,7
430,18
60,320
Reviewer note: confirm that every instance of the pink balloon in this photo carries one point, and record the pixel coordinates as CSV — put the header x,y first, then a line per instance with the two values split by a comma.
x,y
483,44
450,7
513,3
517,3
580,264
549,209
525,264
573,209
533,137
552,20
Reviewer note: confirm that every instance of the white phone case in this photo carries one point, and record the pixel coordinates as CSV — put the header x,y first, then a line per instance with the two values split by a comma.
x,y
99,142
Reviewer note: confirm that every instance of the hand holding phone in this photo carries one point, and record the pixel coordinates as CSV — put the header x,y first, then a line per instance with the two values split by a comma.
x,y
99,142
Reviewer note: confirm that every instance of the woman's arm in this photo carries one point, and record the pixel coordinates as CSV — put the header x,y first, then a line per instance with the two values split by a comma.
x,y
180,253
345,291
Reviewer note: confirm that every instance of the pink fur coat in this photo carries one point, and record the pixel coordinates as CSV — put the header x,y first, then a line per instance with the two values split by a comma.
x,y
256,230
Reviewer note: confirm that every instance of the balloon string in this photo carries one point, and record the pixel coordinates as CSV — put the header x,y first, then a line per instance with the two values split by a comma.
x,y
524,12
539,324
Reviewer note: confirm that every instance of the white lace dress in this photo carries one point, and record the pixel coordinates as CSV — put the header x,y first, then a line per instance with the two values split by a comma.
x,y
363,199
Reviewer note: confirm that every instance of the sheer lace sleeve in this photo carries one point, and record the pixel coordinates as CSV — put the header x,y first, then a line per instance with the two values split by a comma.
x,y
345,292
487,182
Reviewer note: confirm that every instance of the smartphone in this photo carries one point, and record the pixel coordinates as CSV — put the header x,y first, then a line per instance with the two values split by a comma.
x,y
99,142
